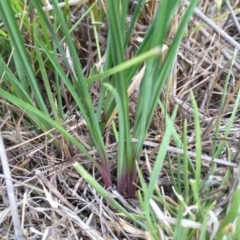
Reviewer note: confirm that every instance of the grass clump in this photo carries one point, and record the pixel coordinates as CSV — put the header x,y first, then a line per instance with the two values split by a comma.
x,y
106,85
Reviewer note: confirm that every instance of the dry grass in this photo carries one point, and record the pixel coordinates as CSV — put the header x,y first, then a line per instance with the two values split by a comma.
x,y
54,203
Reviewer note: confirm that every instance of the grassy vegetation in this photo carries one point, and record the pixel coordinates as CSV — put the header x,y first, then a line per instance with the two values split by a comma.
x,y
111,131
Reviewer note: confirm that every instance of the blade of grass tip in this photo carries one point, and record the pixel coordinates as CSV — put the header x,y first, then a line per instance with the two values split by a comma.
x,y
177,140
115,132
8,18
171,55
100,190
230,122
134,18
217,148
231,215
198,141
173,180
179,174
160,158
229,171
185,163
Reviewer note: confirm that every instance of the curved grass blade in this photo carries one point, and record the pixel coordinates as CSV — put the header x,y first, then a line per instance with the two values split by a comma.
x,y
42,117
20,53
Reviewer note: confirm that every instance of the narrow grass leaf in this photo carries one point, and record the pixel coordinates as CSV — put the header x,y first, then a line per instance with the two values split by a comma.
x,y
178,228
42,117
46,81
160,157
185,163
177,140
232,215
198,141
8,17
117,11
219,147
121,165
125,65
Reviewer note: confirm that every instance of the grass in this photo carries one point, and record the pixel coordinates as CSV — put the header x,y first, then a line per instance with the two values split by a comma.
x,y
102,89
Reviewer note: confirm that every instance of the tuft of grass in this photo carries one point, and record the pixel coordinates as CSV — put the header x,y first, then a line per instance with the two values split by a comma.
x,y
155,76
40,64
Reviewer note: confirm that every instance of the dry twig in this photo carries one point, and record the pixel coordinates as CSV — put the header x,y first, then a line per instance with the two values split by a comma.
x,y
10,190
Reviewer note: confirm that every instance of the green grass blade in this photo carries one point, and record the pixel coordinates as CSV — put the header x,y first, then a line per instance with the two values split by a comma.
x,y
46,83
157,83
42,117
185,163
22,59
125,65
178,140
117,11
218,148
121,163
232,216
134,17
160,157
198,141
